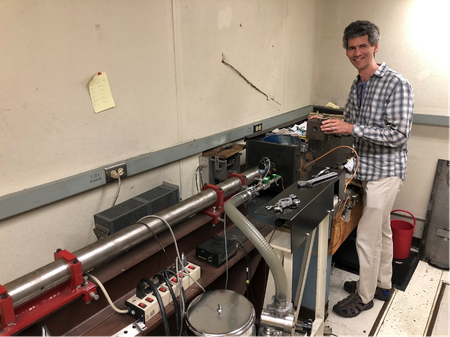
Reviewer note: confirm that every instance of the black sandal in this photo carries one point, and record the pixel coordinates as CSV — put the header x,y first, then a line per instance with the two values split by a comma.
x,y
351,306
380,293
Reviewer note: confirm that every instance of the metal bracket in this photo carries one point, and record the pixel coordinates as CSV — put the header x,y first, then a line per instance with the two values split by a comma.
x,y
215,211
131,330
241,177
7,315
442,232
217,163
74,265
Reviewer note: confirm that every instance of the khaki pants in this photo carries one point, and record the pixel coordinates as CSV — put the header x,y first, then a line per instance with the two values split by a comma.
x,y
374,236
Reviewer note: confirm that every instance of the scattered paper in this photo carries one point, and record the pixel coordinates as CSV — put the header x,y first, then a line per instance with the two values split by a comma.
x,y
332,106
100,92
350,165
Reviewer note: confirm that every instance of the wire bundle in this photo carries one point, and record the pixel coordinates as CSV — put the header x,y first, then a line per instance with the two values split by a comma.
x,y
199,178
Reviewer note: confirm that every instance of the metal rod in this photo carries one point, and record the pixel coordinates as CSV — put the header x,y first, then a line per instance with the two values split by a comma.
x,y
49,276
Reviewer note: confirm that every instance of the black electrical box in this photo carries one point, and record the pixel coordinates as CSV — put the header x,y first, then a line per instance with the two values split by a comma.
x,y
213,250
291,155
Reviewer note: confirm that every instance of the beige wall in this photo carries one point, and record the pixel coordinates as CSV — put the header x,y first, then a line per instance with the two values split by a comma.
x,y
410,31
164,65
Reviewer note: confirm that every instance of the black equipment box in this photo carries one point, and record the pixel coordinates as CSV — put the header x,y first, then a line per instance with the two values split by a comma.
x,y
291,154
126,213
213,250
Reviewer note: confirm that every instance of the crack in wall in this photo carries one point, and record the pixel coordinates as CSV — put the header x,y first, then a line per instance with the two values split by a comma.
x,y
246,80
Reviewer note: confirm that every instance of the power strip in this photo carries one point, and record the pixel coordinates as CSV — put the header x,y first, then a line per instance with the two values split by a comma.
x,y
144,309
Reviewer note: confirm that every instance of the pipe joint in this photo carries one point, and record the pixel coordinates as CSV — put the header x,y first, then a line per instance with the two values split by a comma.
x,y
280,308
285,322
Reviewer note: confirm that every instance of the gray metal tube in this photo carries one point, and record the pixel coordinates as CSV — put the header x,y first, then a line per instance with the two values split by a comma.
x,y
57,272
261,244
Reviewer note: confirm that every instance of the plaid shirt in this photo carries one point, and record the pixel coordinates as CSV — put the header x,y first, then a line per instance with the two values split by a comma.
x,y
382,125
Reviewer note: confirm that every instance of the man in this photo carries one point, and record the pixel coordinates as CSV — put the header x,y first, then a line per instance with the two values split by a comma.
x,y
378,114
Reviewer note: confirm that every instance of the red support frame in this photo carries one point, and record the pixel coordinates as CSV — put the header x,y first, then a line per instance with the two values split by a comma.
x,y
12,321
216,210
242,178
6,308
74,265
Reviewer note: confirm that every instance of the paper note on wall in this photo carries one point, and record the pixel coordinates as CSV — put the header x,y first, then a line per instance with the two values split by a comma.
x,y
100,92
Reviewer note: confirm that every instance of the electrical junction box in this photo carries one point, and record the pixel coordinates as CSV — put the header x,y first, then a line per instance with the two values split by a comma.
x,y
213,250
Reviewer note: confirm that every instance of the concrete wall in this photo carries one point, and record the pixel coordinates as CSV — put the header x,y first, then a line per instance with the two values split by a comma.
x,y
409,30
164,64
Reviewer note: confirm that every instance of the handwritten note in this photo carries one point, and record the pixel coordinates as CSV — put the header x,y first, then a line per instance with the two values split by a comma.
x,y
100,92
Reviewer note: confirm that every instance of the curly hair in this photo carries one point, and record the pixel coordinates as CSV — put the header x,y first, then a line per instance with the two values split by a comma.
x,y
361,28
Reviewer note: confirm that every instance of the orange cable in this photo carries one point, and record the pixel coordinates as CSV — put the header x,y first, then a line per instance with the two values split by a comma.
x,y
340,146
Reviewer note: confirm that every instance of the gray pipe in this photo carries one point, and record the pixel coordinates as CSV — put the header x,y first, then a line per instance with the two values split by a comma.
x,y
261,245
57,272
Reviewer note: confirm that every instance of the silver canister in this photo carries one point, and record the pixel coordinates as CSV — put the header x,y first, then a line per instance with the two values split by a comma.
x,y
221,312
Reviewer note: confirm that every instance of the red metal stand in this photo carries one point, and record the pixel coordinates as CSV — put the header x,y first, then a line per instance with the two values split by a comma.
x,y
6,308
74,265
12,321
216,210
241,177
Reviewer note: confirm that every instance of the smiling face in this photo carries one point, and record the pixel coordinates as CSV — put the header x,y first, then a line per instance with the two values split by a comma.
x,y
361,54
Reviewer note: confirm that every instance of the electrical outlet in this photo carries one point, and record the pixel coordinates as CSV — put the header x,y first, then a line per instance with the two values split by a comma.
x,y
145,308
142,309
120,168
257,127
204,161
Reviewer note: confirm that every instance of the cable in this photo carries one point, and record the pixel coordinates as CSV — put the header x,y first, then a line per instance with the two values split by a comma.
x,y
162,247
201,176
248,269
196,181
193,279
273,232
162,309
96,280
226,249
180,280
176,307
170,228
267,165
338,147
182,296
116,176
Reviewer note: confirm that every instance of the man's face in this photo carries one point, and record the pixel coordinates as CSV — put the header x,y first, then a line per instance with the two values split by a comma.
x,y
360,52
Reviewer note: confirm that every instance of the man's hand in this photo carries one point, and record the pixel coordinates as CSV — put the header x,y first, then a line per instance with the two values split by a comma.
x,y
336,126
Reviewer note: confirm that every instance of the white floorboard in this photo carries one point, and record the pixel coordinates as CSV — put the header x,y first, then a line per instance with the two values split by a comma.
x,y
441,326
410,310
341,326
408,313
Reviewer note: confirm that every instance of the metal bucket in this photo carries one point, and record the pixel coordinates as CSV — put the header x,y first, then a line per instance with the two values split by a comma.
x,y
221,312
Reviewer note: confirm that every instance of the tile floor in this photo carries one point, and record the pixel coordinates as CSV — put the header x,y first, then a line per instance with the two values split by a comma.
x,y
408,313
